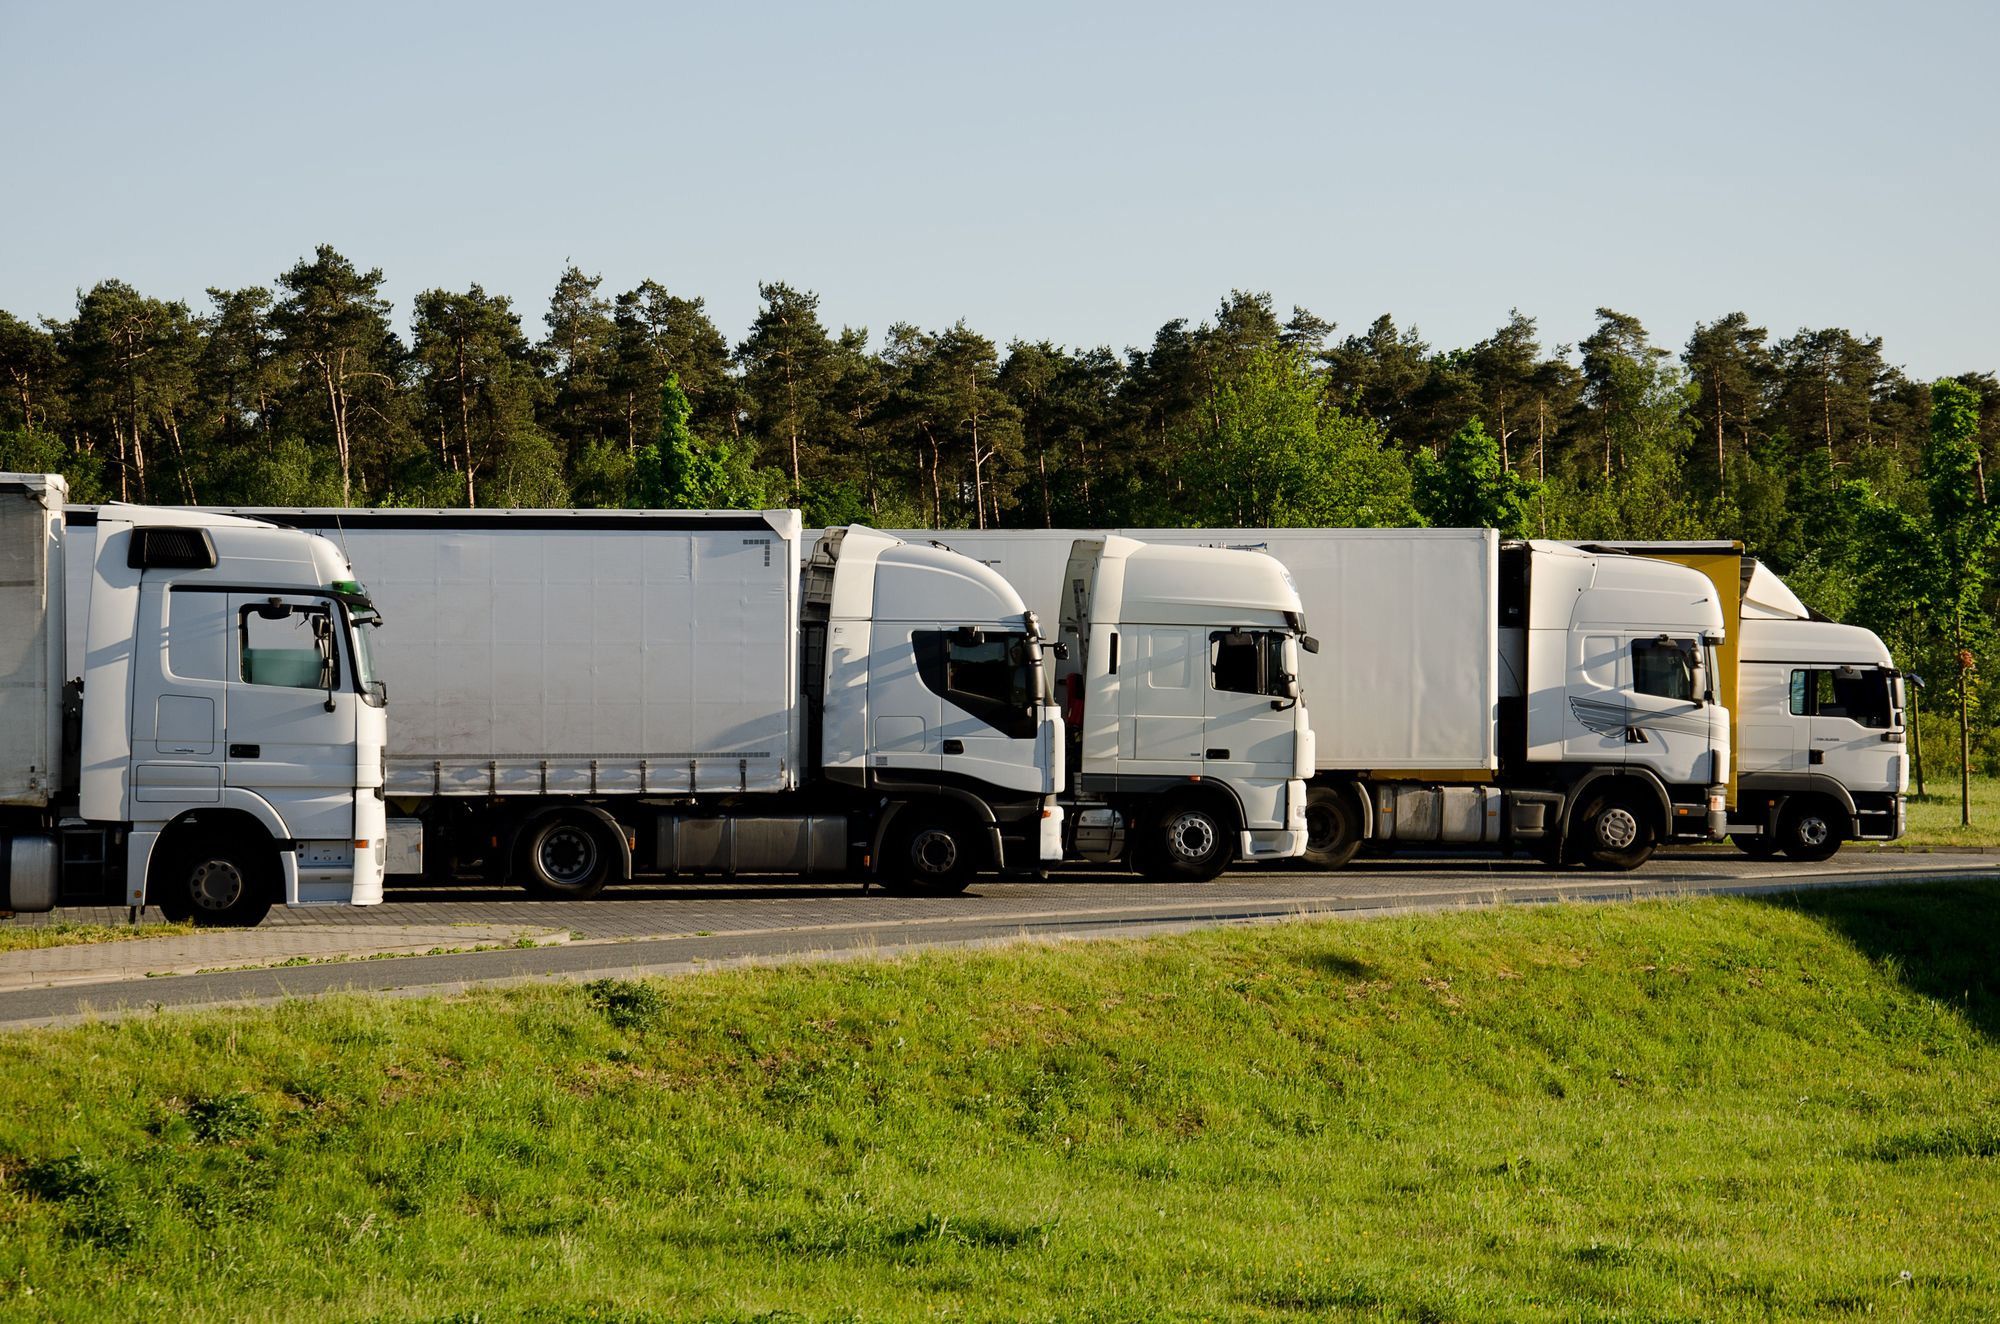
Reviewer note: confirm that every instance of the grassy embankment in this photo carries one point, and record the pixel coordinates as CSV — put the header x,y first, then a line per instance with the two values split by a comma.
x,y
1712,1109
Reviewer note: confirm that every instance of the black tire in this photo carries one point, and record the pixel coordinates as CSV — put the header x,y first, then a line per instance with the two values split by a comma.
x,y
1811,829
930,852
1333,826
1758,847
567,857
1189,840
1614,833
220,883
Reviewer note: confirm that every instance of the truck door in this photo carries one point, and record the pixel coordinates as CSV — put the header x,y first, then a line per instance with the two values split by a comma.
x,y
1851,716
179,700
1771,725
989,710
290,725
1161,701
1244,737
1669,728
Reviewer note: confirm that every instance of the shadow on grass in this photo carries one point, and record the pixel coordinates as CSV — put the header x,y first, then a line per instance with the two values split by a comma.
x,y
1940,939
1340,967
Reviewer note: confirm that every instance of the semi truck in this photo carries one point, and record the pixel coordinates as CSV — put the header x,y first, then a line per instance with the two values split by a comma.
x,y
1471,690
1820,731
580,696
188,717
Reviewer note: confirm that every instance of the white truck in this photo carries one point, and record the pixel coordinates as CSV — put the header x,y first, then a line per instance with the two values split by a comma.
x,y
1473,691
1190,740
1819,712
211,742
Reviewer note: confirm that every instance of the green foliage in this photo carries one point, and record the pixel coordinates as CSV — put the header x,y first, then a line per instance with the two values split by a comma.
x,y
26,450
1467,487
1272,451
1720,1109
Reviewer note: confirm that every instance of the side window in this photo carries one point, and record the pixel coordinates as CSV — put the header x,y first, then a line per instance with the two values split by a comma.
x,y
1862,697
1664,668
287,644
1249,662
198,635
1801,695
992,678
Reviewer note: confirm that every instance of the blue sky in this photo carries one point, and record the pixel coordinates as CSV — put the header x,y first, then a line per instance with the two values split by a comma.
x,y
1080,172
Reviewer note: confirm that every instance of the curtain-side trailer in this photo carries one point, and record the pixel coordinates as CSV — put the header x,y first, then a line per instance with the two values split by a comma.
x,y
1471,690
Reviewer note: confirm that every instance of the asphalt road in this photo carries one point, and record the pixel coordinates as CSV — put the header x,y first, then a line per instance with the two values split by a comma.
x,y
648,928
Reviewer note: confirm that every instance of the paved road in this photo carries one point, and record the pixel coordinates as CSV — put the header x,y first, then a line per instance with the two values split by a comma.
x,y
661,929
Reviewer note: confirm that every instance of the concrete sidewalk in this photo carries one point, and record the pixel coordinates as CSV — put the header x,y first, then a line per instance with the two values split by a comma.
x,y
239,949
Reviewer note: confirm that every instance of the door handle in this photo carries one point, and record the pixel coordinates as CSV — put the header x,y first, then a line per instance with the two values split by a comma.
x,y
1815,756
954,746
1217,754
246,751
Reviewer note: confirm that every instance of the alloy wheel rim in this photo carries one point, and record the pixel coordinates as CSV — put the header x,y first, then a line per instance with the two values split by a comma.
x,y
1617,828
568,854
1191,835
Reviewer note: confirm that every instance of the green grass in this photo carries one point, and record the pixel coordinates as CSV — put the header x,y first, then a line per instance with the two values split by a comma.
x,y
1933,820
1714,1109
22,937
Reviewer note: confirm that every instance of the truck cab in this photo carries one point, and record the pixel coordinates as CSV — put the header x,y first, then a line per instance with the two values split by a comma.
x,y
1188,728
222,733
933,690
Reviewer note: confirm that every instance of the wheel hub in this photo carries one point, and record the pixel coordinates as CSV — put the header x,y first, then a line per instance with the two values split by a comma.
x,y
1617,828
1814,830
216,884
934,851
568,855
1191,835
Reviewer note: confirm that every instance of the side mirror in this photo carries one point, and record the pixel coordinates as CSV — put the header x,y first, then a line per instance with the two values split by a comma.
x,y
1310,644
379,691
1061,651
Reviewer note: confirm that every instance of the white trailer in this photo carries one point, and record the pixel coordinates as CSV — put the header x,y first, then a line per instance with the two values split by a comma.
x,y
1470,690
1819,713
211,741
580,696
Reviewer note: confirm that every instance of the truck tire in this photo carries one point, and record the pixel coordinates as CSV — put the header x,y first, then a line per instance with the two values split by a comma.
x,y
1190,840
565,857
221,882
1757,847
1811,828
930,852
1614,832
1333,827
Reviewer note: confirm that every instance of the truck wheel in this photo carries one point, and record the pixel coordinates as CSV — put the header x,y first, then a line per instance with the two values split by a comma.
x,y
1758,847
931,854
1811,829
218,884
567,858
1333,828
1613,833
1188,841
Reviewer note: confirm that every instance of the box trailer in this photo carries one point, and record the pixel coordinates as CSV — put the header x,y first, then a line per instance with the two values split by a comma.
x,y
1475,690
1818,708
187,715
579,696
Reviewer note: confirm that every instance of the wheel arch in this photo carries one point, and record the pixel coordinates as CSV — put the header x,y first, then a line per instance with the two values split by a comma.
x,y
234,822
510,841
981,813
1637,781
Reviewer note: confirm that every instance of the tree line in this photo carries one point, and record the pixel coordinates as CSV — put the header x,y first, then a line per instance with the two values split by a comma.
x,y
1863,485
